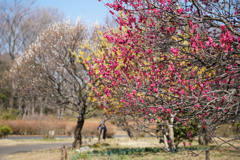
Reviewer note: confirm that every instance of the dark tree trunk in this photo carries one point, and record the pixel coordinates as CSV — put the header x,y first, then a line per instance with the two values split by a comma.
x,y
77,133
13,93
33,107
11,104
41,111
20,105
1,106
130,135
206,138
62,113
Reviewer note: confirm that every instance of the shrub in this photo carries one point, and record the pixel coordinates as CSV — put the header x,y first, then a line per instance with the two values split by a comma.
x,y
70,127
128,127
9,116
5,130
181,132
225,130
111,130
44,125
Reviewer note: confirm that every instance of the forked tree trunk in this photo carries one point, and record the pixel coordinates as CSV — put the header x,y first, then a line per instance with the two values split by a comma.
x,y
171,133
165,140
77,133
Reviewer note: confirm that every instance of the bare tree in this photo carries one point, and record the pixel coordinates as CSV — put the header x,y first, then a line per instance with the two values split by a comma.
x,y
21,22
5,64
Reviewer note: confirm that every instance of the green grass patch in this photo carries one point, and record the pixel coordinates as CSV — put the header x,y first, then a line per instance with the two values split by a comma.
x,y
138,153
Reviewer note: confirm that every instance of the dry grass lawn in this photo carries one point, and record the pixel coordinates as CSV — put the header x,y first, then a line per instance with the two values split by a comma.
x,y
9,142
55,154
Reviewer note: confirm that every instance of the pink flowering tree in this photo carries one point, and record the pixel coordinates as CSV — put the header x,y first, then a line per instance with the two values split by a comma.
x,y
179,61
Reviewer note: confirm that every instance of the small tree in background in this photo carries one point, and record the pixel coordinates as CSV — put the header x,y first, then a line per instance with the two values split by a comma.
x,y
5,130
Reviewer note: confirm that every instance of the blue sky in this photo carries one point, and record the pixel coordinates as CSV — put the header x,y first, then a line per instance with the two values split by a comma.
x,y
92,10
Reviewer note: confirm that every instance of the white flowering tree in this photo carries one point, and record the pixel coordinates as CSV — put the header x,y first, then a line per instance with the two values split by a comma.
x,y
50,66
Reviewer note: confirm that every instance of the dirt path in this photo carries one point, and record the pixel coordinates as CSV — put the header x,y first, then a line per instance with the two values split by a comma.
x,y
6,150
